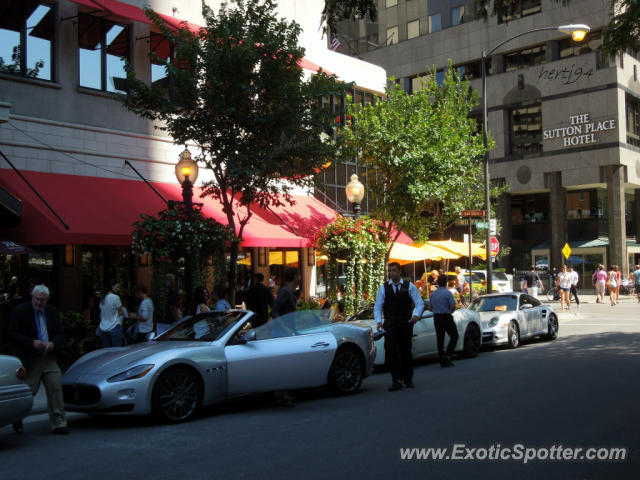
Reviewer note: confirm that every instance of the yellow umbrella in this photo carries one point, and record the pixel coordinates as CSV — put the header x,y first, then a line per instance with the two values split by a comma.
x,y
437,253
404,254
461,248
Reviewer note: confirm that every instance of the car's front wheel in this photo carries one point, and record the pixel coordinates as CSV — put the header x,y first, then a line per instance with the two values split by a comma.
x,y
472,341
347,370
552,327
514,334
176,395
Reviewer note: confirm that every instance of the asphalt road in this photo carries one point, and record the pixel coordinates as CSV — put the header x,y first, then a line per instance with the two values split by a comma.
x,y
581,390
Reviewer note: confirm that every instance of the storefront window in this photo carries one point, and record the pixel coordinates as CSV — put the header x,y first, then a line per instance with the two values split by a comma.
x,y
26,39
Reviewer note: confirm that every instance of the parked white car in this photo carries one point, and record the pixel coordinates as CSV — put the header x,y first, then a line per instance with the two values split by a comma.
x,y
500,280
16,399
424,333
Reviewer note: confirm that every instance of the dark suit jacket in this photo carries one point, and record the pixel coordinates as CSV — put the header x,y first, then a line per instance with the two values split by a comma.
x,y
259,299
23,331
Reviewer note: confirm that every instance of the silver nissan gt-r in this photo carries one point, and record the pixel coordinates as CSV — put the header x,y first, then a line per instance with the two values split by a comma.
x,y
217,355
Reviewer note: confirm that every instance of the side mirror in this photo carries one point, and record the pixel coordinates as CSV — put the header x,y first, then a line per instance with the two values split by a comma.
x,y
250,336
151,336
525,306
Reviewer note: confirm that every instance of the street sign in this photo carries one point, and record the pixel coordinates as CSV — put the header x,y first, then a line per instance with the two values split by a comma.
x,y
465,238
495,246
566,251
481,225
493,225
472,213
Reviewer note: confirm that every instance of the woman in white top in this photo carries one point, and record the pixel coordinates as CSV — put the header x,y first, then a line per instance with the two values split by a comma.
x,y
612,284
201,297
111,315
564,286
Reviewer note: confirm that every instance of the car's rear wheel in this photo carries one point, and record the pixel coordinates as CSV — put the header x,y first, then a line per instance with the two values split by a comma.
x,y
347,370
514,334
552,327
176,395
472,341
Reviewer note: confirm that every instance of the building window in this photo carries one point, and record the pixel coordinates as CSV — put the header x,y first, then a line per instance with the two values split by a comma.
x,y
524,58
104,48
457,15
521,8
26,38
390,3
569,48
633,120
435,23
413,29
525,129
392,35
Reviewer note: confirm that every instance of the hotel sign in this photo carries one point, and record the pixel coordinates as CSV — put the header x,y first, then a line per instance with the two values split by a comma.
x,y
580,131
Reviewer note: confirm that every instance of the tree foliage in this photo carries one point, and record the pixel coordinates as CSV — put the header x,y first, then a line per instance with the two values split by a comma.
x,y
337,10
426,151
240,95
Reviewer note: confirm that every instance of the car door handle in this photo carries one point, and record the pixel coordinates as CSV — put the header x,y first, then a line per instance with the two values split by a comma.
x,y
320,344
415,335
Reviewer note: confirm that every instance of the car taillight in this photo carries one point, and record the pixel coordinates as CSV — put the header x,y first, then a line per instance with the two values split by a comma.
x,y
21,373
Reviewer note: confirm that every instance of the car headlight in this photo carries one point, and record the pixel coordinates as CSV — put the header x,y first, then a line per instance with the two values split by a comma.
x,y
138,371
493,322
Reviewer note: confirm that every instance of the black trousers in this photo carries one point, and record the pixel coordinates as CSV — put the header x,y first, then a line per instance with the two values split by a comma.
x,y
574,291
397,349
443,323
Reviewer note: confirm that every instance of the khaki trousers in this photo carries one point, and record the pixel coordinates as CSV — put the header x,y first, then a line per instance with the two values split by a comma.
x,y
45,369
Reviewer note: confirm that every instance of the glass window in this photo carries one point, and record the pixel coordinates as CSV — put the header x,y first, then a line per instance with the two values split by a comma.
x,y
104,48
435,23
526,129
633,120
525,58
392,35
521,8
457,15
413,29
26,39
569,48
390,3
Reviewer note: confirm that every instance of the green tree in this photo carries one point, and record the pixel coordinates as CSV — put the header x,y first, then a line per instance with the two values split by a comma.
x,y
426,151
242,98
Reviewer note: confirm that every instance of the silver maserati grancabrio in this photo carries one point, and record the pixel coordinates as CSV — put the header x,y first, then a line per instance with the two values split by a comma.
x,y
216,355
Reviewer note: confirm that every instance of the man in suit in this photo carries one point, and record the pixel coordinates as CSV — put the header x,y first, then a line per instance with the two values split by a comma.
x,y
259,299
402,306
36,334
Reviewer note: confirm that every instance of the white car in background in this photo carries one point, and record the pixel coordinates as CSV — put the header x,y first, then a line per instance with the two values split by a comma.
x,y
500,281
16,399
424,333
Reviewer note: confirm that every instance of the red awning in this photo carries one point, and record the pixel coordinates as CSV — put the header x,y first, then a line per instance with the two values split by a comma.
x,y
177,24
101,211
117,9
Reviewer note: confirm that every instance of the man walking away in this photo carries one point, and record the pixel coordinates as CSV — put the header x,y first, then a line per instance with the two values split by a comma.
x,y
636,281
443,305
35,332
402,306
575,278
532,282
259,299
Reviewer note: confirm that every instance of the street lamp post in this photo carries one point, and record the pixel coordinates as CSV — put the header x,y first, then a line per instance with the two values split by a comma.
x,y
187,174
355,193
578,32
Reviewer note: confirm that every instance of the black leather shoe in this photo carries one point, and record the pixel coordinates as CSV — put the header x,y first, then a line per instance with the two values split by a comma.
x,y
395,386
61,431
409,384
449,363
18,427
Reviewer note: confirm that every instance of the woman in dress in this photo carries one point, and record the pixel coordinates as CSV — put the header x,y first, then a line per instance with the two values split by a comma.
x,y
612,284
564,286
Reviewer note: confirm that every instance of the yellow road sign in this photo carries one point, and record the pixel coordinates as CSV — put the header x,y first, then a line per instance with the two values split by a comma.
x,y
566,250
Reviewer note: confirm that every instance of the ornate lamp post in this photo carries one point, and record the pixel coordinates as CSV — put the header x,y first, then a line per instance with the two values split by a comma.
x,y
578,33
355,193
187,174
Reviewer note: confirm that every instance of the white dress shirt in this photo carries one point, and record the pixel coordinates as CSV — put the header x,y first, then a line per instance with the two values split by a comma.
x,y
414,293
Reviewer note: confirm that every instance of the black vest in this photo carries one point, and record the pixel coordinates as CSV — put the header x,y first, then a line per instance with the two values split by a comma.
x,y
397,307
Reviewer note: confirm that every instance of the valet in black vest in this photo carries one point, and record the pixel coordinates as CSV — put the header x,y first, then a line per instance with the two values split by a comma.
x,y
402,305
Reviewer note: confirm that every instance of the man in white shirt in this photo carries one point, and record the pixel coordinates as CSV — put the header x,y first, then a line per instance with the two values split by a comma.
x,y
574,285
144,317
402,306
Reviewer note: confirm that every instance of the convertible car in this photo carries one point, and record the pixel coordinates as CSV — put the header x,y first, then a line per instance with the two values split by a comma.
x,y
424,333
509,317
217,355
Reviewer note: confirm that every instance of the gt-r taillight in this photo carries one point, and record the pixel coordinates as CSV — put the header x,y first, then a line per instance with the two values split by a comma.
x,y
21,373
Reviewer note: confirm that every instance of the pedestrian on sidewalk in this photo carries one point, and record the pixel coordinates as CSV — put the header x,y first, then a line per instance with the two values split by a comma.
x,y
575,278
599,281
443,305
636,281
563,282
402,306
532,282
111,317
36,335
144,318
619,282
612,284
259,299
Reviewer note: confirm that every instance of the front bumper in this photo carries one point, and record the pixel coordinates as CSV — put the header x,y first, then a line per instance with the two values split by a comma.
x,y
498,335
16,402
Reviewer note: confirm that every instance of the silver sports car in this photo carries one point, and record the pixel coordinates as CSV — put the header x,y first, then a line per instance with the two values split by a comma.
x,y
424,333
217,355
509,317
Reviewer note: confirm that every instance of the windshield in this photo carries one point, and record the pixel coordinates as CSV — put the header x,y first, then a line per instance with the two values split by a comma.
x,y
206,327
295,323
500,276
502,303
